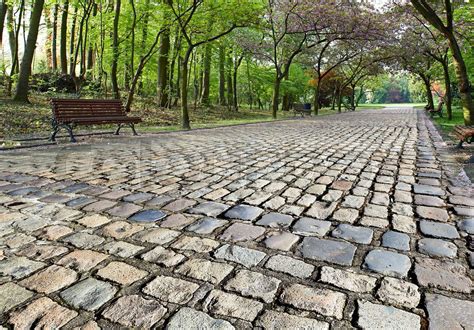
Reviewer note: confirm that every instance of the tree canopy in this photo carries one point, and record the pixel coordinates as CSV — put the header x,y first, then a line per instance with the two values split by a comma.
x,y
262,53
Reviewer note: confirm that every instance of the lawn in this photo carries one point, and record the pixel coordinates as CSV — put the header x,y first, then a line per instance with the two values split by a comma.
x,y
448,125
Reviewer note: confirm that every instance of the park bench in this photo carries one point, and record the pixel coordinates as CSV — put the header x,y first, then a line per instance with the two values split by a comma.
x,y
464,134
69,113
438,111
302,109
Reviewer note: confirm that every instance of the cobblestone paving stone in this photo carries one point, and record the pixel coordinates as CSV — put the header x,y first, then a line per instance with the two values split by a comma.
x,y
351,220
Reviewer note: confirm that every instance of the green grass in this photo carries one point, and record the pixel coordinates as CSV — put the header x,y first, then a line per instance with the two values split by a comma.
x,y
448,125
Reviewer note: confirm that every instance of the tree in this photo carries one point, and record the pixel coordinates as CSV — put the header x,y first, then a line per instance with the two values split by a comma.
x,y
431,14
115,50
63,40
22,87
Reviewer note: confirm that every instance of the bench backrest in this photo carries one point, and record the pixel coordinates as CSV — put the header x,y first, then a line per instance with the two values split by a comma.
x,y
300,107
66,109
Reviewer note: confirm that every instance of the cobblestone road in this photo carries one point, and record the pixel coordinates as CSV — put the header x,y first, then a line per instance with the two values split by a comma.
x,y
342,221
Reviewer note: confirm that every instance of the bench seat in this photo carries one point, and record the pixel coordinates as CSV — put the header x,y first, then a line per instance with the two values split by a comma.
x,y
68,113
464,134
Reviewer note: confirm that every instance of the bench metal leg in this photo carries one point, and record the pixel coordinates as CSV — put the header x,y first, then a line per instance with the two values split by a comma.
x,y
459,146
118,129
71,135
132,126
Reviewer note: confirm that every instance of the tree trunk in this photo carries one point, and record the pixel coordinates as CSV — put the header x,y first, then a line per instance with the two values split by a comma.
x,y
115,49
230,89
184,90
206,79
49,38
463,81
285,102
429,95
22,87
3,12
72,44
63,41
276,95
317,89
163,64
236,69
447,86
54,54
339,100
222,100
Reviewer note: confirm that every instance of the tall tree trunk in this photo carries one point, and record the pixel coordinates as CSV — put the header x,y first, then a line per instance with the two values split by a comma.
x,y
222,100
72,44
115,49
339,100
238,61
63,41
163,64
13,41
317,89
49,38
54,54
184,90
22,87
3,12
250,91
230,88
276,96
447,86
429,95
206,78
285,102
146,18
463,81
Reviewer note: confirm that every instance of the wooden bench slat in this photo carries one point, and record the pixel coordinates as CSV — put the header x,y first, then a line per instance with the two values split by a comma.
x,y
71,112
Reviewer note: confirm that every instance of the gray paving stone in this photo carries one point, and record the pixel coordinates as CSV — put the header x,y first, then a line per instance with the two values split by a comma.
x,y
162,256
210,209
243,212
387,263
466,225
135,311
375,316
311,227
148,216
242,232
84,240
43,313
206,225
254,285
399,293
433,213
205,270
291,266
437,248
346,215
122,249
170,289
275,220
89,294
188,318
449,313
428,190
355,234
12,295
444,275
436,229
244,256
278,320
19,267
396,240
281,241
223,303
323,301
124,210
347,280
337,252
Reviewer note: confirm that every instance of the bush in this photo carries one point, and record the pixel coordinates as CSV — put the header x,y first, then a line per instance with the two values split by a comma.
x,y
53,82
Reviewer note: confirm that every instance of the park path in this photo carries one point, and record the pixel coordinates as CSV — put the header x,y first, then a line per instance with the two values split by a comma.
x,y
349,220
